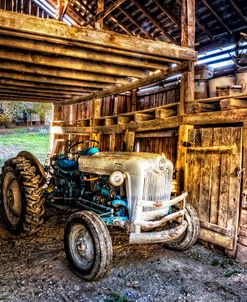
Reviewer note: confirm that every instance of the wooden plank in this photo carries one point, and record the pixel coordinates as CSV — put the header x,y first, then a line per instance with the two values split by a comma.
x,y
74,52
212,118
140,117
56,29
219,98
234,186
164,113
181,168
129,141
214,202
205,180
50,80
225,180
171,122
188,40
156,134
194,169
101,14
213,149
71,63
215,228
216,238
233,103
98,80
121,120
41,86
128,87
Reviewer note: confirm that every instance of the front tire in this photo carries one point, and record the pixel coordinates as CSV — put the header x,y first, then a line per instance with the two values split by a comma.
x,y
88,245
21,195
192,232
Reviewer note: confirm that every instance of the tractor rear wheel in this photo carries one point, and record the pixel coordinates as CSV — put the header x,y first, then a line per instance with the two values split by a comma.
x,y
192,232
88,245
21,195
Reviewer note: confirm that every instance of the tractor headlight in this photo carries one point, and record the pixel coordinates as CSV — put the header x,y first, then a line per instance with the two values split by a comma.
x,y
162,164
117,178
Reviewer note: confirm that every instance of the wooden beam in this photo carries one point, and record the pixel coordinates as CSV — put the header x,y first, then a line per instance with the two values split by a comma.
x,y
38,90
181,167
156,23
75,52
199,24
238,10
101,15
93,81
217,117
100,8
62,8
158,124
26,98
111,42
47,80
73,64
35,93
18,83
223,24
120,24
188,40
155,77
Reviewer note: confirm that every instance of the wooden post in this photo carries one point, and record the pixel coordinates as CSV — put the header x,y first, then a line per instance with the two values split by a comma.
x,y
133,99
100,8
181,167
112,142
187,40
242,241
129,140
96,112
56,116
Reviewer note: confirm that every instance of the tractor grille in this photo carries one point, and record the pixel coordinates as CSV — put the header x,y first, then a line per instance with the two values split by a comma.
x,y
157,187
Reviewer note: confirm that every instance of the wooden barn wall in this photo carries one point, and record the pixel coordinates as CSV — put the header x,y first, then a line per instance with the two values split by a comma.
x,y
165,145
159,98
84,114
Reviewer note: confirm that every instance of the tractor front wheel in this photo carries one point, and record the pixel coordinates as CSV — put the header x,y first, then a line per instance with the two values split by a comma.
x,y
192,232
88,245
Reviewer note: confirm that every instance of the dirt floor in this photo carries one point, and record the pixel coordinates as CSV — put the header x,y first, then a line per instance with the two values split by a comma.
x,y
34,268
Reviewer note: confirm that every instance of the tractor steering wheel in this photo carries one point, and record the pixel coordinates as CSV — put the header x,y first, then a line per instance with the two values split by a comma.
x,y
85,149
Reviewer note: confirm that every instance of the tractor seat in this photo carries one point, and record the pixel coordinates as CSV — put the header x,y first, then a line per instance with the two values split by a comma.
x,y
67,165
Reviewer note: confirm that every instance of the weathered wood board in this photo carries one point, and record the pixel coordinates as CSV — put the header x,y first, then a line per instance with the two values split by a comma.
x,y
214,158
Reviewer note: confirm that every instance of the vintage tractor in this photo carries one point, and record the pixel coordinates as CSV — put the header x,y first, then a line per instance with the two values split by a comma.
x,y
131,191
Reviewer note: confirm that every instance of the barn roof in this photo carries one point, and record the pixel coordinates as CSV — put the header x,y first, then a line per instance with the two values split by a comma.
x,y
217,21
47,60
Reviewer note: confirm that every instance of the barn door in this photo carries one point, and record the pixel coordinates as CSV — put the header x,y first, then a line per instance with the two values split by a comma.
x,y
213,182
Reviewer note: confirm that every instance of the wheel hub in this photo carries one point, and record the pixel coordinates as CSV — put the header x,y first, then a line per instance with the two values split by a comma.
x,y
82,246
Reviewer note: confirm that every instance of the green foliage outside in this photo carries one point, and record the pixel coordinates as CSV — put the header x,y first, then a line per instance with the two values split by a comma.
x,y
34,142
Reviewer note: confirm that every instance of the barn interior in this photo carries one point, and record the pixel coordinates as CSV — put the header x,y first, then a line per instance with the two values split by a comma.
x,y
160,76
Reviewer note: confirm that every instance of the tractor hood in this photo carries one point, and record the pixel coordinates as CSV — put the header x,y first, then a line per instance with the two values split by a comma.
x,y
126,162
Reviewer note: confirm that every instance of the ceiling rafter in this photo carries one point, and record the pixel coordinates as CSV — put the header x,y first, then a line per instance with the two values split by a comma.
x,y
120,24
104,13
156,23
62,8
167,13
147,34
238,10
223,24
